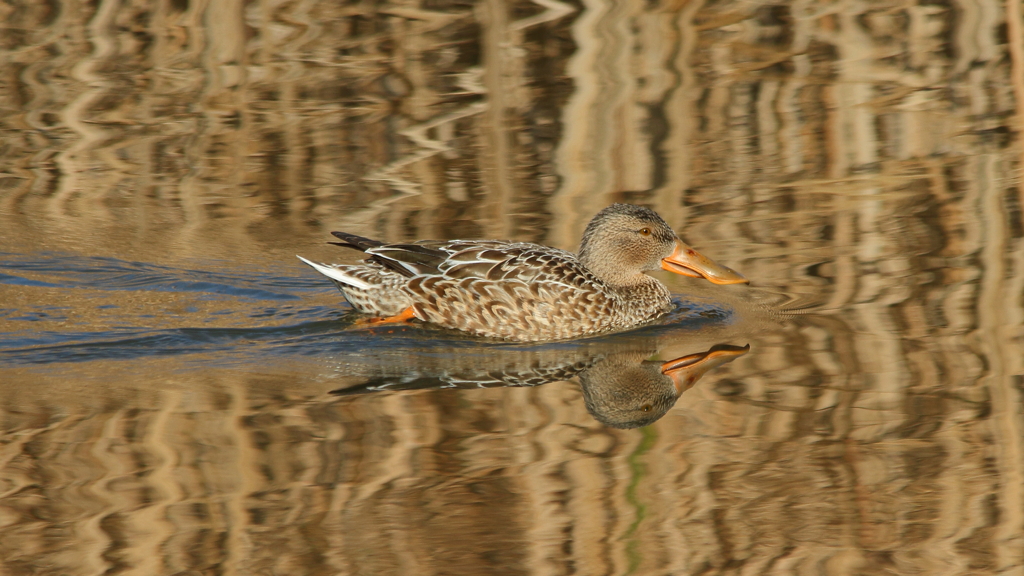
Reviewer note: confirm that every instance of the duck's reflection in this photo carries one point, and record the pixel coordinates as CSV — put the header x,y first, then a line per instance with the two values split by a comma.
x,y
622,389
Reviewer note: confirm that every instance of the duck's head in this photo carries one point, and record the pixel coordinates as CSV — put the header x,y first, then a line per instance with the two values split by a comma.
x,y
623,241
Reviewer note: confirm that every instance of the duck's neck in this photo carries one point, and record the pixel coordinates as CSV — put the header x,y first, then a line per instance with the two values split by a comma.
x,y
612,275
638,290
644,288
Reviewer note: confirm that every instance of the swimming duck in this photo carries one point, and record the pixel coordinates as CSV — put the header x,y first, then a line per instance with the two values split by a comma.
x,y
521,291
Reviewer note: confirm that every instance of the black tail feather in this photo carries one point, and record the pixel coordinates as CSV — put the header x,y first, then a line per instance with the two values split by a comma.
x,y
407,259
356,242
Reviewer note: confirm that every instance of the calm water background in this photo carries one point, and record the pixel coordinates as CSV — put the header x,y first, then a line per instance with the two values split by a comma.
x,y
165,361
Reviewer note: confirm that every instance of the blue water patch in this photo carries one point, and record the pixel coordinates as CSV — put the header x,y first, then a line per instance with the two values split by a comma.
x,y
101,273
321,333
19,281
132,343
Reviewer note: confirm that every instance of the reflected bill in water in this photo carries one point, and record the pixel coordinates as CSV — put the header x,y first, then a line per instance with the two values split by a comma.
x,y
621,389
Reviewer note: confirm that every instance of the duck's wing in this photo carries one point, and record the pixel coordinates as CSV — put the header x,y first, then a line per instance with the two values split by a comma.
x,y
493,260
528,263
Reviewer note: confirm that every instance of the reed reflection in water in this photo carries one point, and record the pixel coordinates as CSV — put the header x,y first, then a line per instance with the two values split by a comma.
x,y
166,364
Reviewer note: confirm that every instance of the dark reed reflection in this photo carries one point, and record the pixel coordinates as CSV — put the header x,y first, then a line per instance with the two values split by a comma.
x,y
621,388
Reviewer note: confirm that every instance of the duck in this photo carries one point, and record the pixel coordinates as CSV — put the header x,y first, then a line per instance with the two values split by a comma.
x,y
525,292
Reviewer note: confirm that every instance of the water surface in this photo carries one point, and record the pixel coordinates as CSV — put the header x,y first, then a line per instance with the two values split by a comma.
x,y
179,394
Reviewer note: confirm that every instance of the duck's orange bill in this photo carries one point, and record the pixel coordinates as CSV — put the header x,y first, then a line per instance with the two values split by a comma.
x,y
686,370
688,262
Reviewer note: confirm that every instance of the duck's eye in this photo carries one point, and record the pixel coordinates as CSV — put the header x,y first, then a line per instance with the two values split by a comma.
x,y
645,231
647,407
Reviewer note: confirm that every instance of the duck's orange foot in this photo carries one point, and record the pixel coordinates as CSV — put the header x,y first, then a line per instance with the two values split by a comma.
x,y
406,315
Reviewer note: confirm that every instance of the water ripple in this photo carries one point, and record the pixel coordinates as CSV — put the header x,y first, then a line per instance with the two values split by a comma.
x,y
319,331
101,273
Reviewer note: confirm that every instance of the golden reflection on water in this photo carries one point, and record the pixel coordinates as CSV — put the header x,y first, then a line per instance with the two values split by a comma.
x,y
166,409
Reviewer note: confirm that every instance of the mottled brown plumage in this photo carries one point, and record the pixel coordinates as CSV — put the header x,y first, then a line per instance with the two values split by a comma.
x,y
527,292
